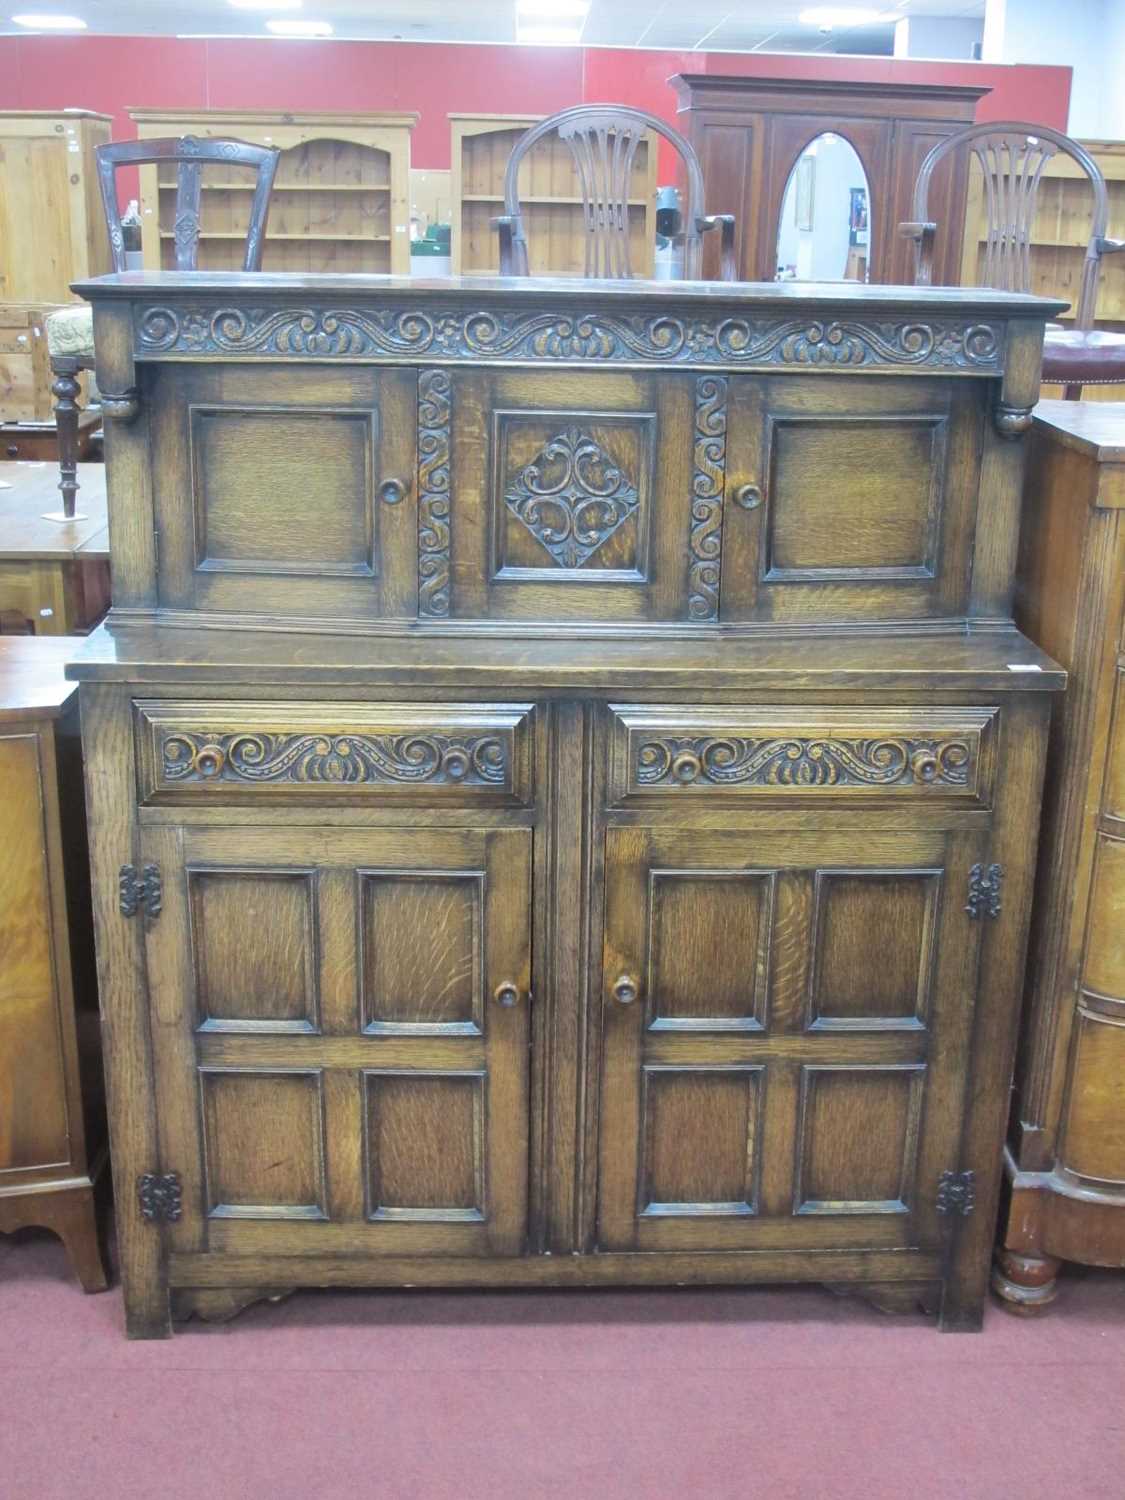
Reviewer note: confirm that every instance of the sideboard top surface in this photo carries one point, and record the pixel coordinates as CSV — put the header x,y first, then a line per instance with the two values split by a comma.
x,y
823,297
32,679
972,661
1093,427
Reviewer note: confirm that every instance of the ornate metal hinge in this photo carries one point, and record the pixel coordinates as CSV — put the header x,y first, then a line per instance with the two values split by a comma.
x,y
956,1193
984,891
160,1198
144,893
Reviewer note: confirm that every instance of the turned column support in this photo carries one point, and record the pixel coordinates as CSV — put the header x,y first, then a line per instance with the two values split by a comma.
x,y
66,389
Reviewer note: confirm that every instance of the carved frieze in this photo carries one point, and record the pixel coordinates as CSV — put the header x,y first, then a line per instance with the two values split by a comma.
x,y
434,410
332,758
468,335
705,540
799,762
572,497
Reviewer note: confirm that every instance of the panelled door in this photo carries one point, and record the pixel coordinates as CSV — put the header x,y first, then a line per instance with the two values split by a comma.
x,y
276,505
787,1023
849,499
572,494
340,1037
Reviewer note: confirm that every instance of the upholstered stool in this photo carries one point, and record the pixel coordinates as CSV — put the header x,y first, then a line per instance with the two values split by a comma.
x,y
70,345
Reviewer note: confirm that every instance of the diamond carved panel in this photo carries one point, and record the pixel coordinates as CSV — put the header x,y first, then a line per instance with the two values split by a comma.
x,y
572,494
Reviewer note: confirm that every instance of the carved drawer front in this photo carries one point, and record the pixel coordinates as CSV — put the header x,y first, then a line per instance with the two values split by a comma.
x,y
945,754
333,751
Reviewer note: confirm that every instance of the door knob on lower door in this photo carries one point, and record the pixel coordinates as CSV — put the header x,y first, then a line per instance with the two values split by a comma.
x,y
506,994
626,989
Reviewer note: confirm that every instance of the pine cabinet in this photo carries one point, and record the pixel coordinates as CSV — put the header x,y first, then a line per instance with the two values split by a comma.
x,y
565,784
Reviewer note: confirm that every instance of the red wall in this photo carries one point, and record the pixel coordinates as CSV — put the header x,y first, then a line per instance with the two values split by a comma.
x,y
111,74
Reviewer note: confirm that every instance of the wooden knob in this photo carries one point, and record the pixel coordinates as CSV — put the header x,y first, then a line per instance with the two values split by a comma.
x,y
626,989
392,491
506,994
749,496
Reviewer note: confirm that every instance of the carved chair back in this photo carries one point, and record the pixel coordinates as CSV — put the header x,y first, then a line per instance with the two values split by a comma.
x,y
192,153
1012,157
604,140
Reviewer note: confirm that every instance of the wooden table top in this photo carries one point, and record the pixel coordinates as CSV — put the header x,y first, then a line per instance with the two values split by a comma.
x,y
1093,427
27,490
31,674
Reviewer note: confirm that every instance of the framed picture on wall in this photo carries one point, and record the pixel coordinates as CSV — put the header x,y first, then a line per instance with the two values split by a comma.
x,y
806,189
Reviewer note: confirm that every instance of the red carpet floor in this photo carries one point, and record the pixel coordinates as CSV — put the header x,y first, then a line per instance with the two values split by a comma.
x,y
696,1395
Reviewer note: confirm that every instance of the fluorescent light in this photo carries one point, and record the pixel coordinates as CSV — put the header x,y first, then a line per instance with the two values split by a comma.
x,y
549,36
840,15
554,10
265,4
299,28
39,22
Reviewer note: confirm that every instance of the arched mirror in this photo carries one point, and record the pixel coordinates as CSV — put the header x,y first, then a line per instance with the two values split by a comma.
x,y
824,230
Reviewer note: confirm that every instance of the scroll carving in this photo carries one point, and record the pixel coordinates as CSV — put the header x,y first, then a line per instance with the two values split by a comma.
x,y
799,762
572,497
434,410
337,759
708,480
474,334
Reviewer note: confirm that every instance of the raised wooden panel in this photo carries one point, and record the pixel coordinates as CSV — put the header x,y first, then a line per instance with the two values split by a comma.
x,y
1113,801
572,495
873,943
310,509
853,500
263,1136
425,1145
852,503
858,1139
729,753
33,1112
587,484
286,496
709,949
702,1140
254,949
332,750
421,951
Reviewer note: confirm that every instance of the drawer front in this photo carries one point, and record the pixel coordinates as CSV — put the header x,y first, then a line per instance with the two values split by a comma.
x,y
945,754
333,751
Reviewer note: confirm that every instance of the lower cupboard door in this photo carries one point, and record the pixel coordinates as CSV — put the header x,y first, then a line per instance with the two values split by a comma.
x,y
786,1037
340,1037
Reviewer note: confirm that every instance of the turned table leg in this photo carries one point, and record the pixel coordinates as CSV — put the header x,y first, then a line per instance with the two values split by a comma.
x,y
66,390
1025,1283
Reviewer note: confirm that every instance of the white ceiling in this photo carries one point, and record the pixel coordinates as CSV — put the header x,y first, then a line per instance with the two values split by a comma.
x,y
707,25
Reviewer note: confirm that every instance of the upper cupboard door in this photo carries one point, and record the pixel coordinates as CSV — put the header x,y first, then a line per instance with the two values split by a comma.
x,y
287,495
571,496
849,499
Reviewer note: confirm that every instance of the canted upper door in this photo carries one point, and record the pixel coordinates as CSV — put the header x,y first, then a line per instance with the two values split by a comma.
x,y
285,492
340,1028
571,496
849,499
787,1018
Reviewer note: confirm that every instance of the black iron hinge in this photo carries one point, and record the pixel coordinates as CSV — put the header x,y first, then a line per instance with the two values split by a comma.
x,y
984,891
139,893
956,1193
160,1197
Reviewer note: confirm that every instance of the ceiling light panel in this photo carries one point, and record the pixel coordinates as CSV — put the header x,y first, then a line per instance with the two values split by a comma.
x,y
43,21
299,28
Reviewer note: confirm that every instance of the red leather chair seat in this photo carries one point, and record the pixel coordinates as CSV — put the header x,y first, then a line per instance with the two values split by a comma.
x,y
1072,357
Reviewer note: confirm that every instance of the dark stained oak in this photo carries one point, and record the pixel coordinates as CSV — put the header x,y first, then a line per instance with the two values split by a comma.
x,y
525,711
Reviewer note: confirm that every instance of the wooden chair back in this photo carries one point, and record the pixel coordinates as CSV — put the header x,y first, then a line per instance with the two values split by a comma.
x,y
604,139
1012,157
192,153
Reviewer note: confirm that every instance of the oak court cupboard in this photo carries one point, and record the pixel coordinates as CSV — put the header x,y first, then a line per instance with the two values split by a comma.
x,y
525,710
